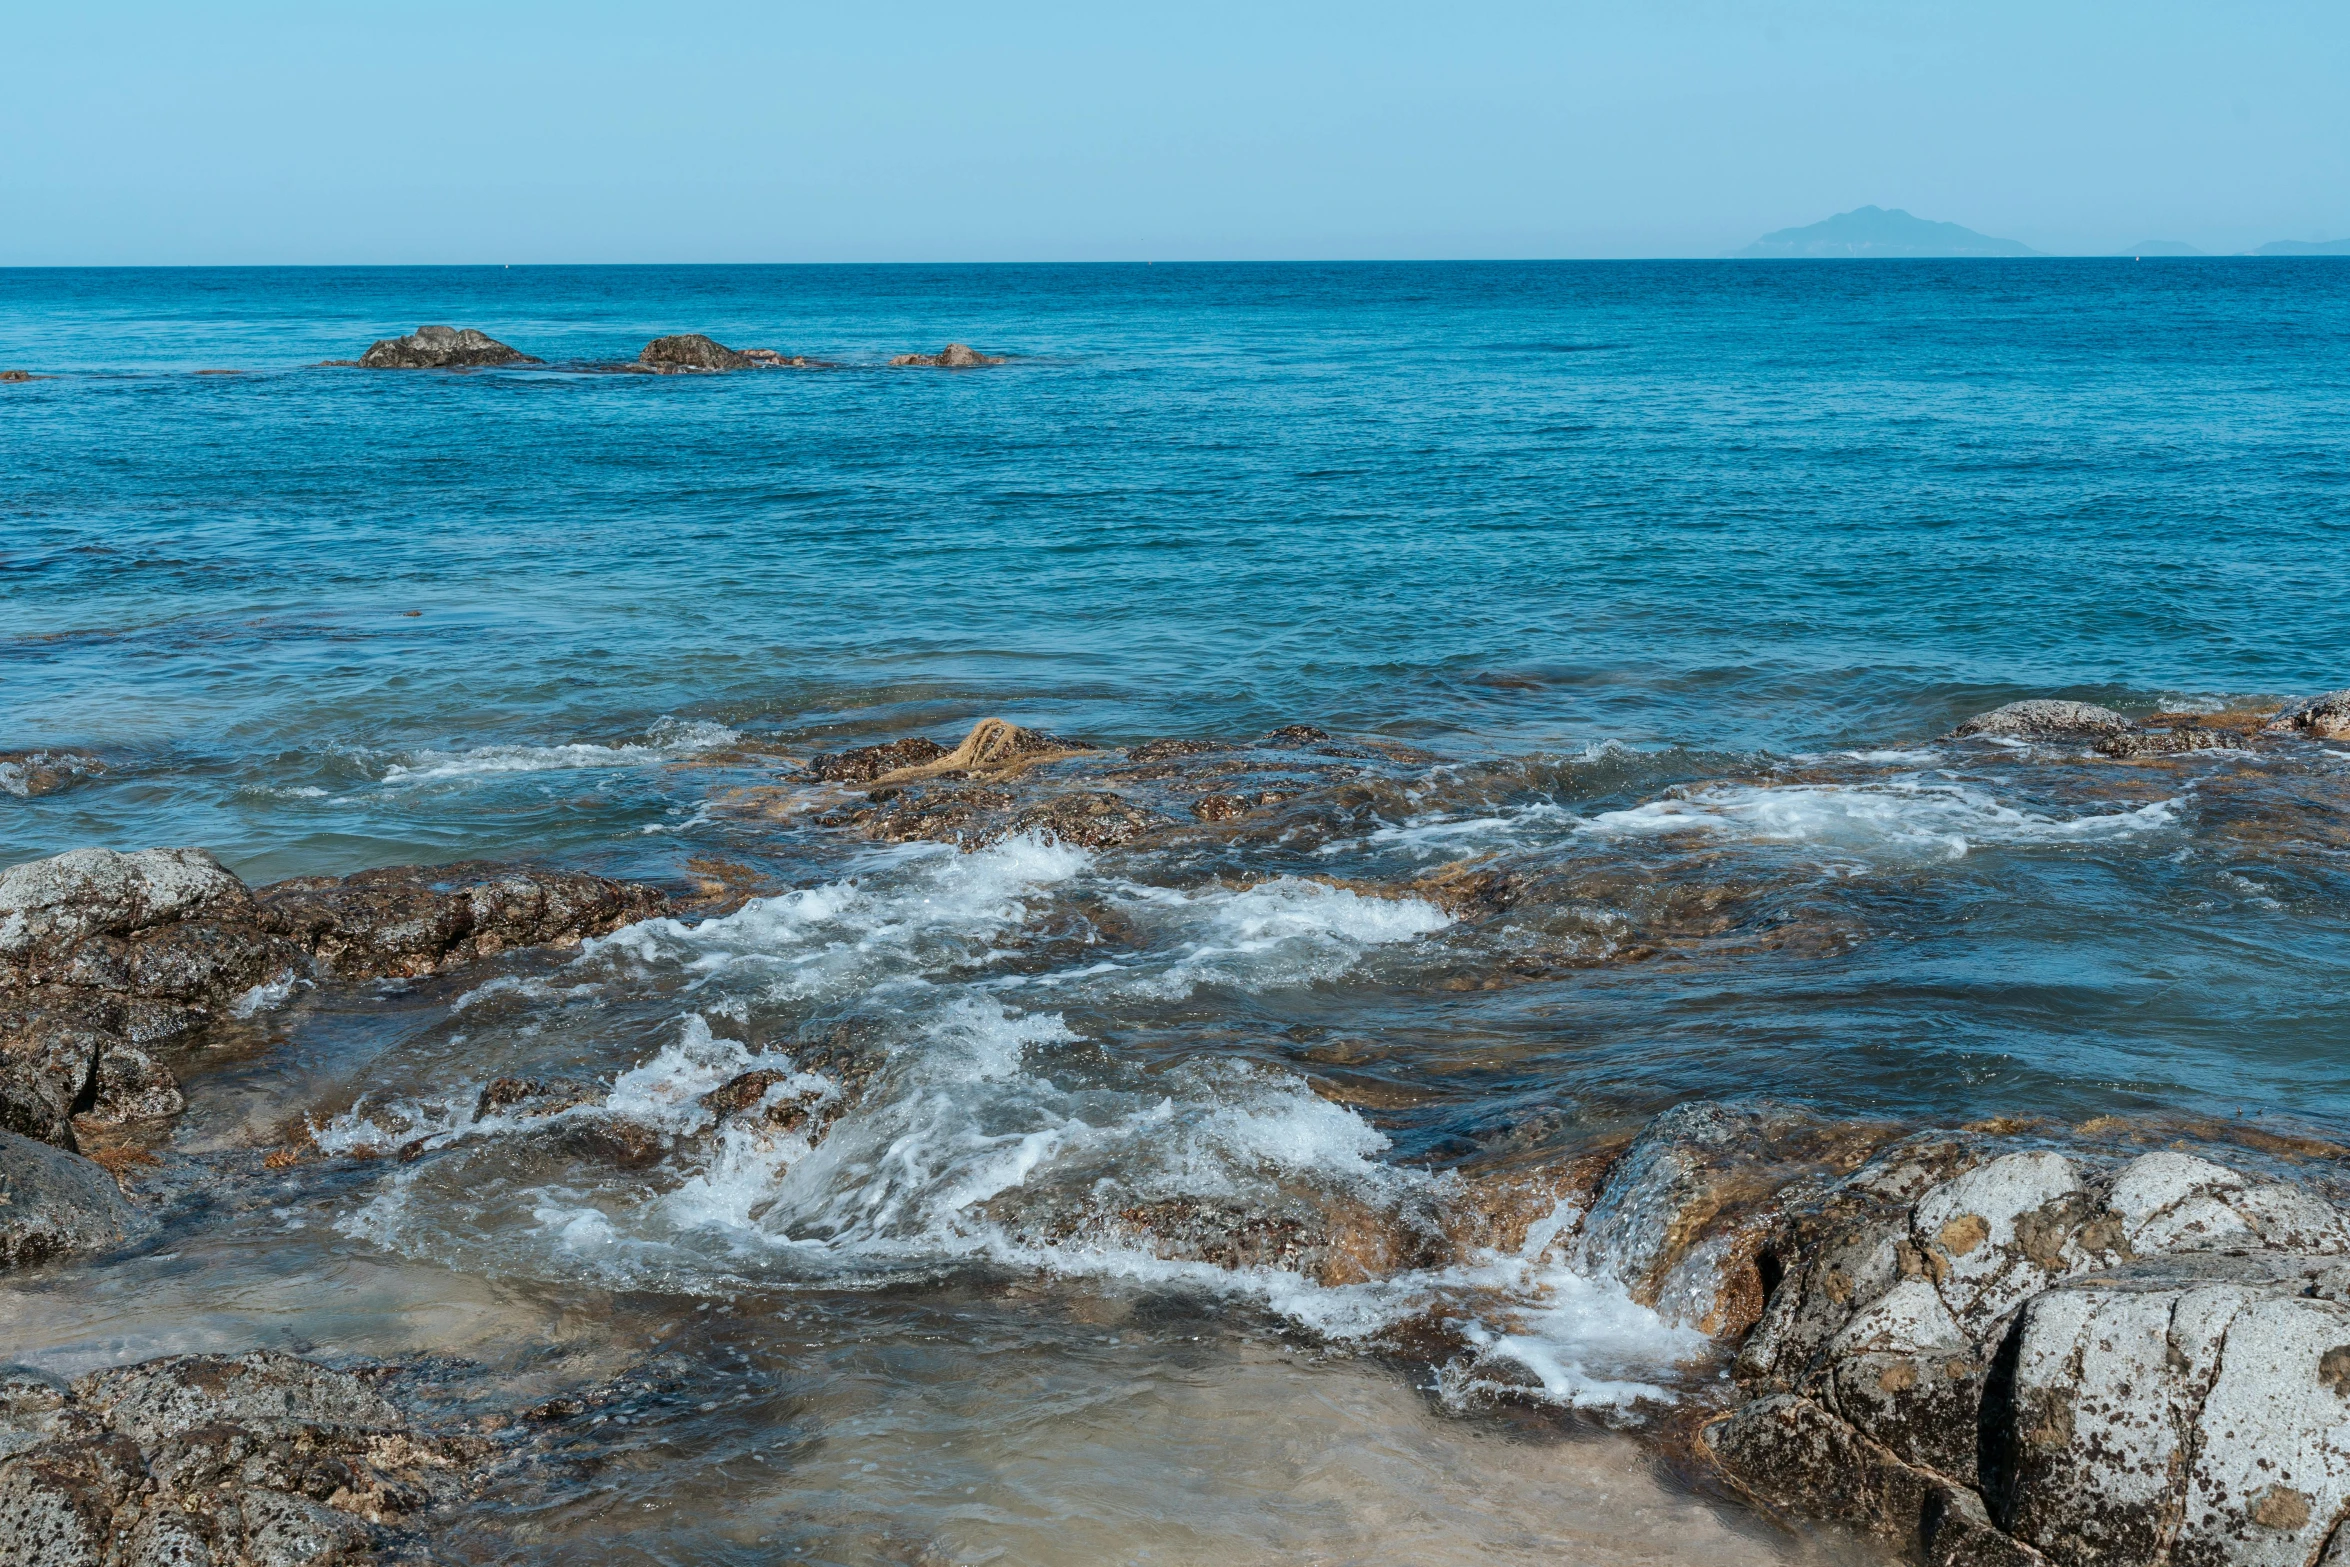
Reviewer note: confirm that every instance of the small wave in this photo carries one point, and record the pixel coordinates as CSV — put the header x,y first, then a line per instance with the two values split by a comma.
x,y
668,740
1936,820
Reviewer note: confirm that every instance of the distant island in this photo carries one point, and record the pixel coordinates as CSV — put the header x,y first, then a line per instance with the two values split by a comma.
x,y
1877,231
2305,247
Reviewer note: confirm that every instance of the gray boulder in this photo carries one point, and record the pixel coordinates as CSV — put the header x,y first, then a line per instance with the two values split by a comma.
x,y
2010,1357
690,352
441,348
2043,719
53,1204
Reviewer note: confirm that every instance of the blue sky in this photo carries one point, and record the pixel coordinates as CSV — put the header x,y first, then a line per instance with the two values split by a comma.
x,y
241,132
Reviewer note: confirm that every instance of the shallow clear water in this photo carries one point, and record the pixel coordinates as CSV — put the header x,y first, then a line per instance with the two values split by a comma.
x,y
1679,571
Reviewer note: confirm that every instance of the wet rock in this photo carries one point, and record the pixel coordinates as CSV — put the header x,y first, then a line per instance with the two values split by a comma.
x,y
2083,1365
131,1085
28,773
2326,717
103,955
614,1140
1168,750
54,1203
2044,719
864,763
1220,807
23,375
254,1460
690,352
955,356
1087,819
411,919
2166,742
1683,1217
1295,735
440,348
532,1097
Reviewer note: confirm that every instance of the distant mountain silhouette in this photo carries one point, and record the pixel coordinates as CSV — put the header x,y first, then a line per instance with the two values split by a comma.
x,y
1875,231
2306,247
2162,247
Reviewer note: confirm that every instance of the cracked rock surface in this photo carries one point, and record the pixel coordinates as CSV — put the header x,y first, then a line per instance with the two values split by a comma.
x,y
2025,1356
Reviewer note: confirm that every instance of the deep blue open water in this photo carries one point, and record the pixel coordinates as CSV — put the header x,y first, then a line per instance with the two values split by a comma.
x,y
1690,567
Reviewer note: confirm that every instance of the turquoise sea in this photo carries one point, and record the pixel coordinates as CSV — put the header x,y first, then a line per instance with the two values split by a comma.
x,y
1673,578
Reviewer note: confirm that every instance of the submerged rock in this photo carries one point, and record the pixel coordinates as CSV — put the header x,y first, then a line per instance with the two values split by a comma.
x,y
53,1203
2134,744
2327,717
261,1458
440,348
28,773
955,356
23,375
2044,719
691,352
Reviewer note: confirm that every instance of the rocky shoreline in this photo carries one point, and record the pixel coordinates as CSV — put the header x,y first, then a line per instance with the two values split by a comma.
x,y
2016,1341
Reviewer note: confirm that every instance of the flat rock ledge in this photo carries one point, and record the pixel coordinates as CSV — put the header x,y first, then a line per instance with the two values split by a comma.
x,y
104,956
438,348
258,1460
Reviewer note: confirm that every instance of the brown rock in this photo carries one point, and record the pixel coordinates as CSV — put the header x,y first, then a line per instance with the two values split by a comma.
x,y
955,356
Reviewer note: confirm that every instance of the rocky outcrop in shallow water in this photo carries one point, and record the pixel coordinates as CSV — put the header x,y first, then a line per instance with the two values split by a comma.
x,y
105,955
2043,719
29,773
439,348
690,353
2325,717
955,356
255,1460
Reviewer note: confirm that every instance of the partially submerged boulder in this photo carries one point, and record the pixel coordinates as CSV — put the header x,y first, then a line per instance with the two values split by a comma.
x,y
260,1458
409,920
2325,717
28,773
53,1204
689,353
2043,719
440,348
955,356
104,956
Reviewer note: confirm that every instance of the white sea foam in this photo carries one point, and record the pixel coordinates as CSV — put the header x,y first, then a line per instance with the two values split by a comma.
x,y
1902,816
1274,934
931,908
267,996
668,740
